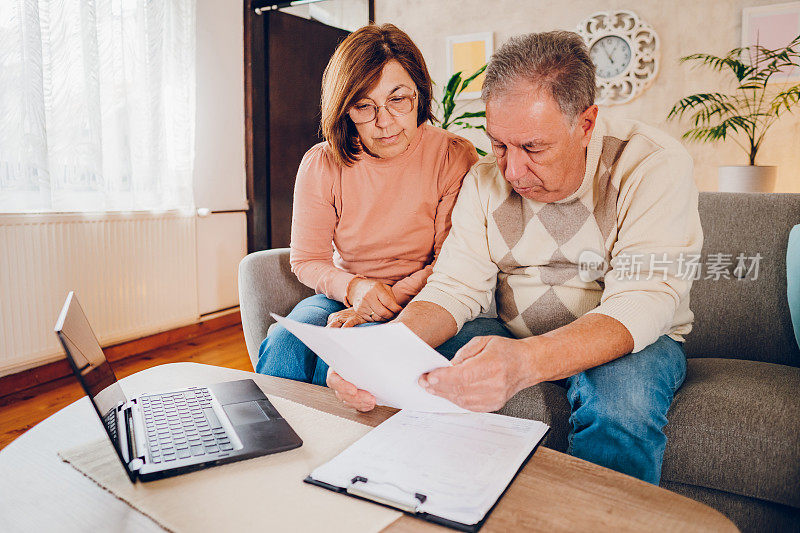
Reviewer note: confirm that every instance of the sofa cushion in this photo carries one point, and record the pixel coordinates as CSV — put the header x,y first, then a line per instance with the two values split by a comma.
x,y
745,318
734,427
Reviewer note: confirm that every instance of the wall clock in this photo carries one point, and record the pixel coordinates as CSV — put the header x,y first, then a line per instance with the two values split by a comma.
x,y
624,49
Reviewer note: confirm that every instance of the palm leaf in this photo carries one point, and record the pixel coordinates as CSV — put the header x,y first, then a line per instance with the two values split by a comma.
x,y
471,114
448,99
467,81
709,104
785,100
452,83
739,69
730,125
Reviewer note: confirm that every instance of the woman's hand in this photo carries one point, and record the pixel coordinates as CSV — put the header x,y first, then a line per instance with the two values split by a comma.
x,y
348,393
372,300
346,318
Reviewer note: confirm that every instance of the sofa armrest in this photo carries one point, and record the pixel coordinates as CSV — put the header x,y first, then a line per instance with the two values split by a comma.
x,y
266,285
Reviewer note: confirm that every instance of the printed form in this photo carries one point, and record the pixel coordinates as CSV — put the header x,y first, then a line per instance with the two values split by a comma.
x,y
461,463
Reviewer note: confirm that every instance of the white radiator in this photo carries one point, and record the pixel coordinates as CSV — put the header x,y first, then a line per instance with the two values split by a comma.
x,y
134,274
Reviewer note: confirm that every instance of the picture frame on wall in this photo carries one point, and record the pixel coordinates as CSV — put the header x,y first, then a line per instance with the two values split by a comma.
x,y
773,26
466,54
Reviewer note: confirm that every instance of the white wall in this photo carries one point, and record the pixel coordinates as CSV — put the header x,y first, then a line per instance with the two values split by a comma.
x,y
684,27
219,168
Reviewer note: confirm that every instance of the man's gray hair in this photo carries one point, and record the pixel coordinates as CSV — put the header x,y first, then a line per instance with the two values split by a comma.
x,y
557,60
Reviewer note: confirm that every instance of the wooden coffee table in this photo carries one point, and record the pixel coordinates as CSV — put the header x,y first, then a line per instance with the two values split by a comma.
x,y
554,492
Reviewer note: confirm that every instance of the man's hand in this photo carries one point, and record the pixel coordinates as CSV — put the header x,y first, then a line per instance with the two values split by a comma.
x,y
346,318
351,395
486,372
372,299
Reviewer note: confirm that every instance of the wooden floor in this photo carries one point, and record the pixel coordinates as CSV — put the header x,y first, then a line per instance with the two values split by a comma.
x,y
21,411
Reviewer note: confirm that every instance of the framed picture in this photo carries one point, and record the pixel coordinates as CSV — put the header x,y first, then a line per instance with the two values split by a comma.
x,y
466,54
772,26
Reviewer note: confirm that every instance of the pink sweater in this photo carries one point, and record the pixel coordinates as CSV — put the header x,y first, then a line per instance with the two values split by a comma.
x,y
383,219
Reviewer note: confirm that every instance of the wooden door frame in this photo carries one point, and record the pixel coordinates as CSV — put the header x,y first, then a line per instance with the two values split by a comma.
x,y
256,128
256,124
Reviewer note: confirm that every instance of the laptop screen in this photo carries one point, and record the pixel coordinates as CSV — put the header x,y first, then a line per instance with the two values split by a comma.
x,y
90,365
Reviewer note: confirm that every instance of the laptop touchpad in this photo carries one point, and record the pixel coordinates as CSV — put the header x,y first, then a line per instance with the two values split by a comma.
x,y
245,413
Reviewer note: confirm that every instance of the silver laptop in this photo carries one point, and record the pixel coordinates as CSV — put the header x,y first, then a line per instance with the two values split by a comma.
x,y
165,434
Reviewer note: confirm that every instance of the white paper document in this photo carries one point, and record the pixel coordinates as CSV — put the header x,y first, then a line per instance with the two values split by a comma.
x,y
385,360
453,466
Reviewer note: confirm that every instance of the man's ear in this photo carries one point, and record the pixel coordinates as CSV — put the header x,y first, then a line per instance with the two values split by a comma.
x,y
586,122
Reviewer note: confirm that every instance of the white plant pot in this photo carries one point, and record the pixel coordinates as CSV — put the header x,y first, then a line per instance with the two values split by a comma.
x,y
747,178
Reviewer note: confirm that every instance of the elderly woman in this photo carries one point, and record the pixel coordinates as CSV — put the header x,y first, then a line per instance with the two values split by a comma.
x,y
372,203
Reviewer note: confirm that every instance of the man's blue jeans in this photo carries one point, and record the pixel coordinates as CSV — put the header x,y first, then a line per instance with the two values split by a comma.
x,y
619,409
282,354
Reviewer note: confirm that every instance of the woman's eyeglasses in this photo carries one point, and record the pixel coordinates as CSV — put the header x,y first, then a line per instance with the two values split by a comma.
x,y
397,106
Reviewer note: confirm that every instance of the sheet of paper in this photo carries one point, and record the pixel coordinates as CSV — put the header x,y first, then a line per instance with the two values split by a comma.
x,y
460,462
386,360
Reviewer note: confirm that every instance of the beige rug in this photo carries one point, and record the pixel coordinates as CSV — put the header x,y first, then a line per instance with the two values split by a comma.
x,y
262,494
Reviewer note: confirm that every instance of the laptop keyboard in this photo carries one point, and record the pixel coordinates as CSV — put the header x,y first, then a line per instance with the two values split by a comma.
x,y
111,423
182,425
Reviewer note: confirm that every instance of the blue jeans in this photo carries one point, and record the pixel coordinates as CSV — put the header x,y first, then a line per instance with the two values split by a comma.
x,y
283,355
619,409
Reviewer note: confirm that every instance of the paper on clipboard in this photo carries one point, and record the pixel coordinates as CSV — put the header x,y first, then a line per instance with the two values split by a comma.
x,y
451,466
386,360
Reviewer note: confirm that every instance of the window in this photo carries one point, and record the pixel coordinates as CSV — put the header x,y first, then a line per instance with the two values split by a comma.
x,y
97,103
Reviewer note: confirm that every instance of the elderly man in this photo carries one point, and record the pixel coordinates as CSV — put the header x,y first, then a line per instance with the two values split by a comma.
x,y
565,189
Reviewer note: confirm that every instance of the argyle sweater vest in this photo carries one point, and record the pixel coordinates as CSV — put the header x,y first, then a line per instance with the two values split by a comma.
x,y
637,198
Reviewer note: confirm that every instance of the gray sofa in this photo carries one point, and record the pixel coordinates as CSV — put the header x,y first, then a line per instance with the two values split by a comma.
x,y
734,427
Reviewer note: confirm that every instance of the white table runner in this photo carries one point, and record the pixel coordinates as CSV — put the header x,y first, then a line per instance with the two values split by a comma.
x,y
262,494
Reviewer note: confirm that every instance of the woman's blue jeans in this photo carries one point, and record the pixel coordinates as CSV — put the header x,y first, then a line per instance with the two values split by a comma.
x,y
619,409
283,355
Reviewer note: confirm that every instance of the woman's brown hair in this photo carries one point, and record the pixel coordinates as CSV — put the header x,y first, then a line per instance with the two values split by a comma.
x,y
354,69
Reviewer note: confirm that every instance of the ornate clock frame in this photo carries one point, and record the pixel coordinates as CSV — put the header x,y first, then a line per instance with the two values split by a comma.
x,y
644,45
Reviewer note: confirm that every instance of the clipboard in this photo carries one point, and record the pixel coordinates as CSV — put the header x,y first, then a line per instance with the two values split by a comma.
x,y
364,488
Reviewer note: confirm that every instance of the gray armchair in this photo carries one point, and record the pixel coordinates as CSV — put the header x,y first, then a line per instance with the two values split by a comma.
x,y
266,285
733,437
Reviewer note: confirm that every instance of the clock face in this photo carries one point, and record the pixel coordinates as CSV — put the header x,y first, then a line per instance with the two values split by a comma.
x,y
611,55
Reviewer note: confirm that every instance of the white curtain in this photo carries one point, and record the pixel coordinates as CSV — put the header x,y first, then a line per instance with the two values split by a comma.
x,y
97,105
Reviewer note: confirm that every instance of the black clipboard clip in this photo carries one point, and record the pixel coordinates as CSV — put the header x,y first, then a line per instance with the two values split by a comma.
x,y
371,490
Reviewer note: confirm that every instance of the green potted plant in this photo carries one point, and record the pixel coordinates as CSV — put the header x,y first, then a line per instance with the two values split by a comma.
x,y
746,114
447,105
